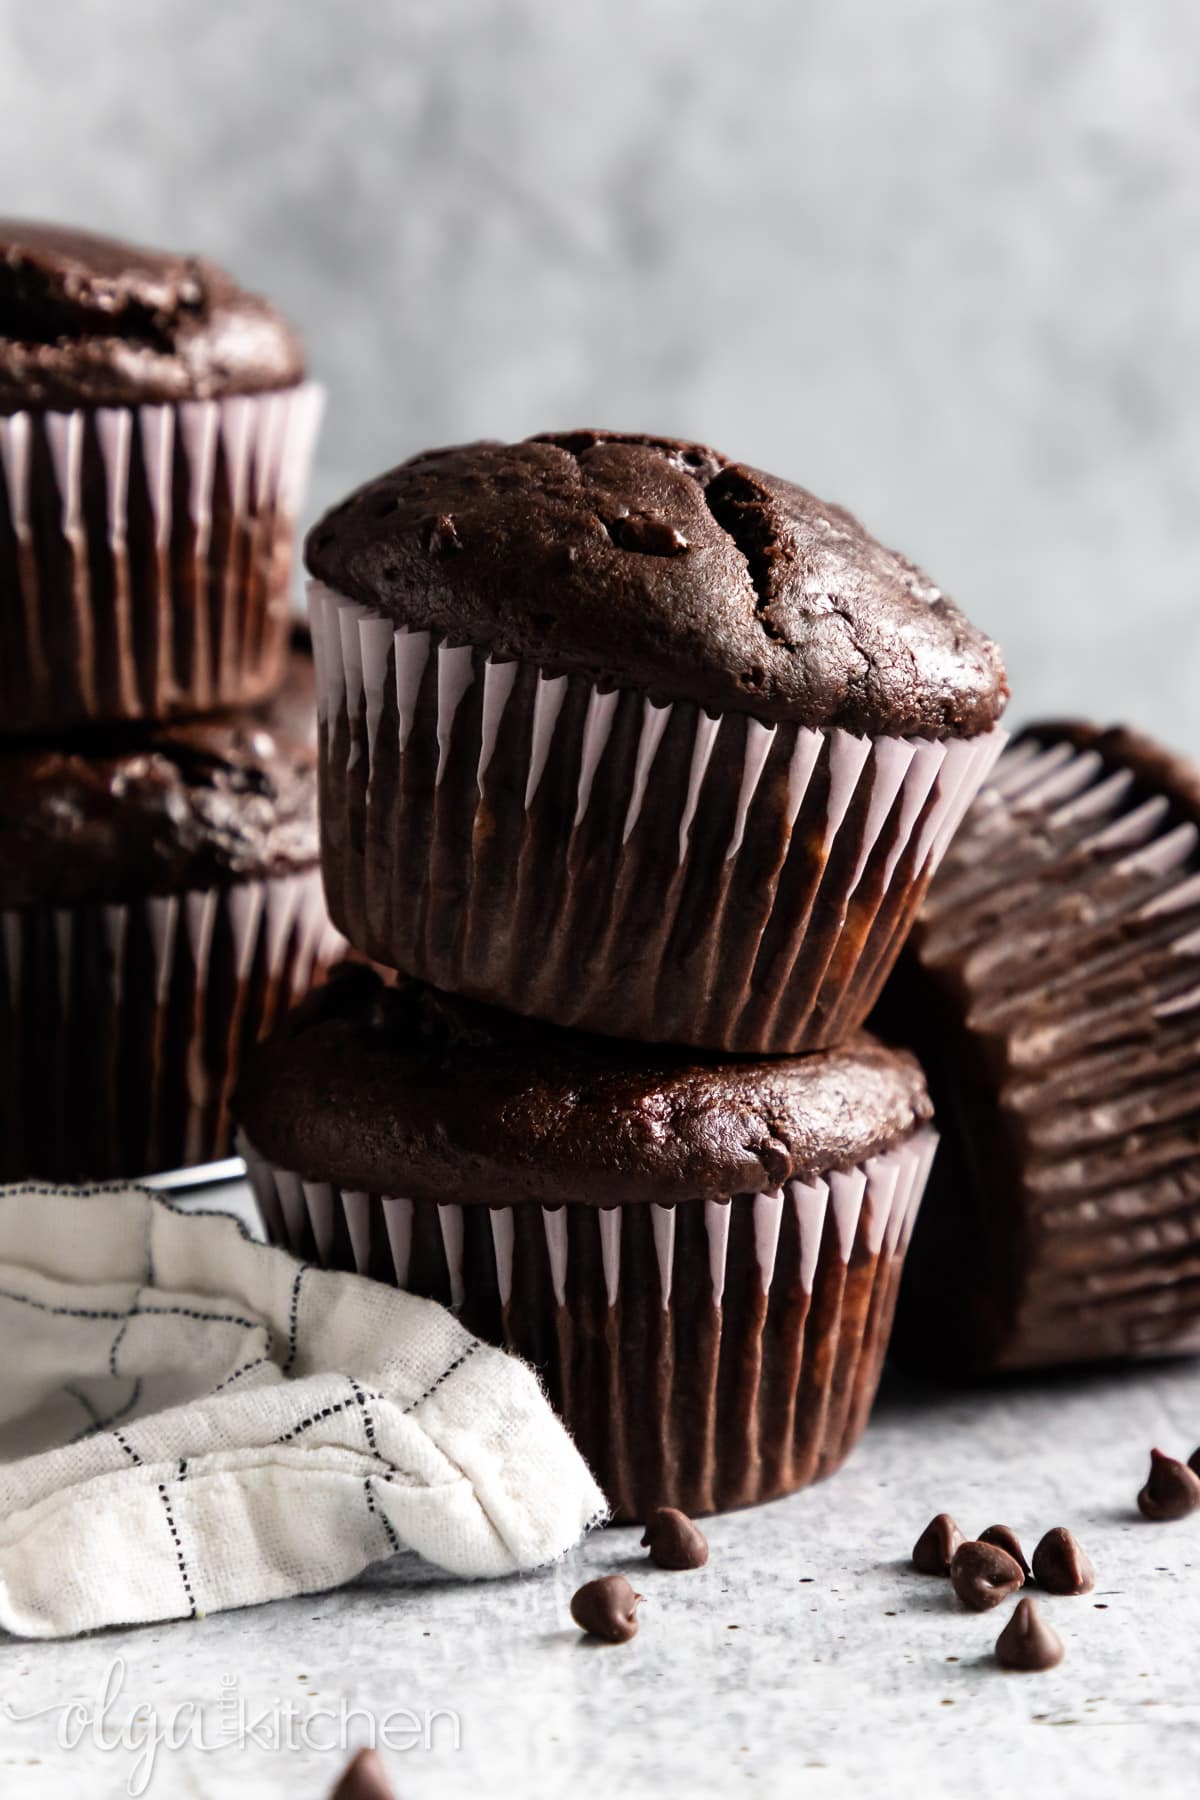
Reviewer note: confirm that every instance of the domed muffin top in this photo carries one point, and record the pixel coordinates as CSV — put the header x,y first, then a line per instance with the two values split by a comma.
x,y
90,321
405,1090
659,564
121,811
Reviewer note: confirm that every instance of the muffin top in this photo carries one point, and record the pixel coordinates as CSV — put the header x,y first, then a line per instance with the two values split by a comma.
x,y
662,565
405,1090
121,811
89,321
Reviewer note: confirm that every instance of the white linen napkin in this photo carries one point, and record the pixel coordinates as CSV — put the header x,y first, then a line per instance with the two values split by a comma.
x,y
190,1420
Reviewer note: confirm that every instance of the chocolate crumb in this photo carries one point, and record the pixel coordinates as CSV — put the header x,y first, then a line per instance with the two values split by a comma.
x,y
982,1575
1005,1538
1061,1566
365,1779
607,1608
934,1550
1027,1643
1172,1489
673,1541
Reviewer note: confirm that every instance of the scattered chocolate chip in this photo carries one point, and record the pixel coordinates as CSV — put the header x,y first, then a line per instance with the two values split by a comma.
x,y
442,535
364,1780
1027,1643
607,1608
982,1575
1061,1566
1194,1462
648,532
673,1541
934,1550
1005,1538
1172,1489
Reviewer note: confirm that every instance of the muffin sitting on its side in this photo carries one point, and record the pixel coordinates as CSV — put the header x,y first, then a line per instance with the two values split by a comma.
x,y
623,735
160,905
1052,989
700,1256
155,436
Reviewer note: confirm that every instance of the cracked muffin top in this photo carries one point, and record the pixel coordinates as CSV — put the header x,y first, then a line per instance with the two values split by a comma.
x,y
405,1090
118,811
90,321
653,563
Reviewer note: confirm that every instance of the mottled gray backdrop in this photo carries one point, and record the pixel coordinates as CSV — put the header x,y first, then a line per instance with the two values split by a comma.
x,y
938,259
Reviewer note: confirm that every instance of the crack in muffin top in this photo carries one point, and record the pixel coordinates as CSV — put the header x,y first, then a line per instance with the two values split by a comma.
x,y
663,565
90,321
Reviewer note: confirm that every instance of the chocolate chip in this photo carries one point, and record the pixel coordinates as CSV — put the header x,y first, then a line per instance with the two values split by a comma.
x,y
1194,1462
1061,1566
441,535
982,1575
1172,1489
364,1780
1027,1643
673,1541
648,533
934,1550
607,1608
1005,1538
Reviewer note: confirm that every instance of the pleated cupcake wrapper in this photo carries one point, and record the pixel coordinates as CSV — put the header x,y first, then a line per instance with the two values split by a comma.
x,y
121,1027
1068,914
145,555
705,1355
587,856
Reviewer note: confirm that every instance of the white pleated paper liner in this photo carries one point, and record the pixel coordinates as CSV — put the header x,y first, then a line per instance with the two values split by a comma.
x,y
122,1027
705,1355
145,556
587,857
1057,973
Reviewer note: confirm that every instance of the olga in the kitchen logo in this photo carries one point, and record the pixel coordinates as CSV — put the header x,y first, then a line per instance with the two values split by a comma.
x,y
144,1733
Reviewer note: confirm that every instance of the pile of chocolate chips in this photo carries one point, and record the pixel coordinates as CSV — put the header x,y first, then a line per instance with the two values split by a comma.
x,y
985,1570
607,1607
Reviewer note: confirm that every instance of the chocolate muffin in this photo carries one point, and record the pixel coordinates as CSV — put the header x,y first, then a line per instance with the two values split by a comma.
x,y
622,735
700,1256
155,435
1052,989
160,904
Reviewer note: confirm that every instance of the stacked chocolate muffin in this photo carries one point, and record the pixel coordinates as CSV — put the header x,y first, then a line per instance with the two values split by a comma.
x,y
160,898
635,763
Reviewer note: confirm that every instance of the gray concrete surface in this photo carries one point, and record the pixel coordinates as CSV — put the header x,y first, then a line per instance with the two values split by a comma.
x,y
807,1659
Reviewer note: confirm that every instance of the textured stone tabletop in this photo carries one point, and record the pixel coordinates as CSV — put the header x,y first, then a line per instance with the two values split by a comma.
x,y
808,1657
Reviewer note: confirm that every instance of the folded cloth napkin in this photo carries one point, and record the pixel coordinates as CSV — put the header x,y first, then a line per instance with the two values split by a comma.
x,y
190,1420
